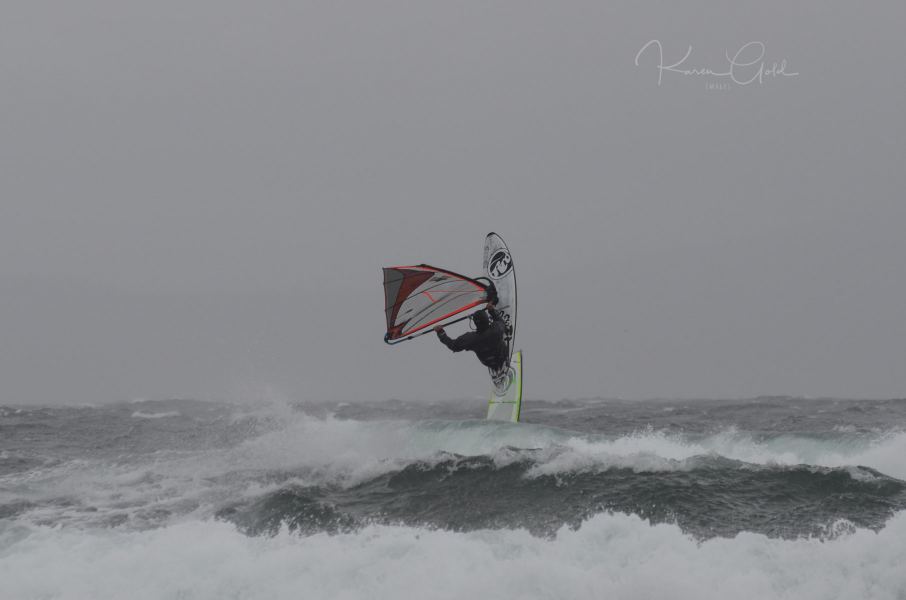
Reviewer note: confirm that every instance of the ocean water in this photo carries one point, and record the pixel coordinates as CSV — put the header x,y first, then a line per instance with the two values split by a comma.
x,y
763,498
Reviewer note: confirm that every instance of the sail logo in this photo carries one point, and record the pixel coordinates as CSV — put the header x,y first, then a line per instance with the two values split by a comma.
x,y
500,264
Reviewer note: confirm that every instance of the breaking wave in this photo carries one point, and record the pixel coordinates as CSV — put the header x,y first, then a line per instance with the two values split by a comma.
x,y
609,555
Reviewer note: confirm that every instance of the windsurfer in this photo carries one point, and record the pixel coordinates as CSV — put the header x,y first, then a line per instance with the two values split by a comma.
x,y
488,341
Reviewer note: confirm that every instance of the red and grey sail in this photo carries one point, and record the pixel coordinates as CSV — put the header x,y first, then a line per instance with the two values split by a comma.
x,y
422,296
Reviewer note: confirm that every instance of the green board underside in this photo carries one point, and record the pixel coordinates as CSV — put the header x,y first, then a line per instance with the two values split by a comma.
x,y
508,406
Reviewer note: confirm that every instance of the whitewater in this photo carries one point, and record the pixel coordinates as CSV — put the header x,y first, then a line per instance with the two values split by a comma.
x,y
758,498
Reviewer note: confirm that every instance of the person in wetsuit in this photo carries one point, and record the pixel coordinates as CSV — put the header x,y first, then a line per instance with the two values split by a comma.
x,y
488,341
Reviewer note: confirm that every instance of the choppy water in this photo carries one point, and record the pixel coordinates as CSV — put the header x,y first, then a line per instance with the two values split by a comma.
x,y
764,498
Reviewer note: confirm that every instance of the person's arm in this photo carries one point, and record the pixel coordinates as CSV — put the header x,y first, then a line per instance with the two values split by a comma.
x,y
496,315
492,294
459,344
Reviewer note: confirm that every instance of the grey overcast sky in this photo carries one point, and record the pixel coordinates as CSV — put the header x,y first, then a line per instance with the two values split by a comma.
x,y
196,197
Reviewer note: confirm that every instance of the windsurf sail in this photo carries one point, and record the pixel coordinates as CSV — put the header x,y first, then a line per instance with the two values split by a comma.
x,y
422,296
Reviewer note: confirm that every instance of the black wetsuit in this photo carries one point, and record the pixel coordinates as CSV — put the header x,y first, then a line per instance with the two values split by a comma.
x,y
489,345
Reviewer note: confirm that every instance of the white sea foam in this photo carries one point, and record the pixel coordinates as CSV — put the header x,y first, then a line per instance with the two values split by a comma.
x,y
653,451
609,556
161,415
